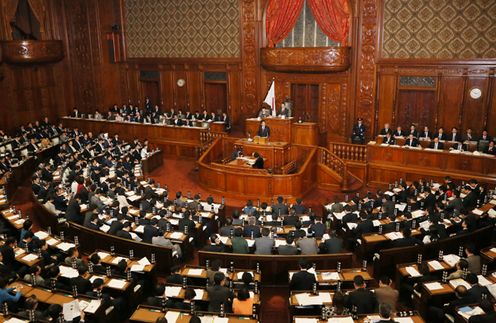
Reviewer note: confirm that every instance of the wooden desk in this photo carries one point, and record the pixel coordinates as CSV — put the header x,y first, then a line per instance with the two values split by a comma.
x,y
305,133
153,162
280,129
388,163
150,315
275,153
361,318
488,255
400,141
175,141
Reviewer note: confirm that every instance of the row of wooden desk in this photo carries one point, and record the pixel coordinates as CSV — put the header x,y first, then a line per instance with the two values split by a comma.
x,y
388,163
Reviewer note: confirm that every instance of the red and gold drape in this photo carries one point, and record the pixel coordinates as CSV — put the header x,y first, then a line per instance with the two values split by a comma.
x,y
281,17
333,17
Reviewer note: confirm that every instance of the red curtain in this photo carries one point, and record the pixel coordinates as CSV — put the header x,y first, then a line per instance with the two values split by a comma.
x,y
333,17
280,19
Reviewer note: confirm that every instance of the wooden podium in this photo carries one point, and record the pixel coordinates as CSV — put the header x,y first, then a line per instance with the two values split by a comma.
x,y
275,154
286,130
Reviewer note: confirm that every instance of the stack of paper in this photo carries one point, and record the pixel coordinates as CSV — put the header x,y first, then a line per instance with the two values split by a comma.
x,y
41,235
64,246
451,259
394,235
199,294
436,265
176,235
68,272
30,257
172,291
459,282
346,319
92,306
102,255
172,316
52,241
433,286
116,283
195,271
117,260
403,320
483,281
307,320
137,268
330,276
412,271
306,299
468,311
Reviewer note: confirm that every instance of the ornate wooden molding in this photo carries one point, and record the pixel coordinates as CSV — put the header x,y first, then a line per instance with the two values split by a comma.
x,y
32,51
314,59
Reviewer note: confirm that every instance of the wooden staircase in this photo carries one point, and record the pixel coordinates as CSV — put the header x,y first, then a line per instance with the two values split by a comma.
x,y
342,167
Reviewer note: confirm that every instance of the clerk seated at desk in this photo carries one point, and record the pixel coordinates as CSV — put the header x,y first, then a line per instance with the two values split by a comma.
x,y
436,144
259,162
411,141
263,130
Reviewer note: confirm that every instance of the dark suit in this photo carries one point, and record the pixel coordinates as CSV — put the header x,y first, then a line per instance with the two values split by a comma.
x,y
280,209
440,145
302,280
484,318
426,135
73,212
406,242
83,285
218,295
287,250
332,245
383,131
363,299
457,137
263,132
411,143
124,234
259,163
389,141
318,229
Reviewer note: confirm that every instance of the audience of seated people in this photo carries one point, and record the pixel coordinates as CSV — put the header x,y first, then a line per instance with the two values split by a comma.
x,y
153,115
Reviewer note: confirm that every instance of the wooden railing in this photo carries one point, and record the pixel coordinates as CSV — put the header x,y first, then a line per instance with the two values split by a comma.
x,y
332,161
207,138
349,152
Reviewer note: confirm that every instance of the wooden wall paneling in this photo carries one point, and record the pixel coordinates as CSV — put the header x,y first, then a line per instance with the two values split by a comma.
x,y
450,103
491,107
386,99
474,110
364,65
334,122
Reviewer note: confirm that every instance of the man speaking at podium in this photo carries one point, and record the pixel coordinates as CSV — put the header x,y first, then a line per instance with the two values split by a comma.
x,y
263,130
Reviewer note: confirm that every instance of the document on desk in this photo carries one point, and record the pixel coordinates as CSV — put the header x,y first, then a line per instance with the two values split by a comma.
x,y
218,319
307,320
92,306
30,257
330,276
15,320
433,286
436,265
199,294
102,255
176,235
346,319
68,272
306,299
64,246
117,260
71,310
394,235
172,316
240,274
459,282
483,281
195,271
413,272
403,320
172,291
41,235
468,311
116,283
137,268
144,261
95,277
451,259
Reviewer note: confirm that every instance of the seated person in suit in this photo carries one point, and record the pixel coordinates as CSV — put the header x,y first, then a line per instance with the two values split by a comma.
x,y
280,208
425,134
440,134
331,243
490,148
386,130
264,244
317,228
215,244
363,299
264,112
219,294
388,139
435,144
259,162
284,113
474,261
398,132
239,244
263,130
468,135
411,141
407,239
386,294
413,130
185,304
289,248
455,136
237,152
385,313
302,280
